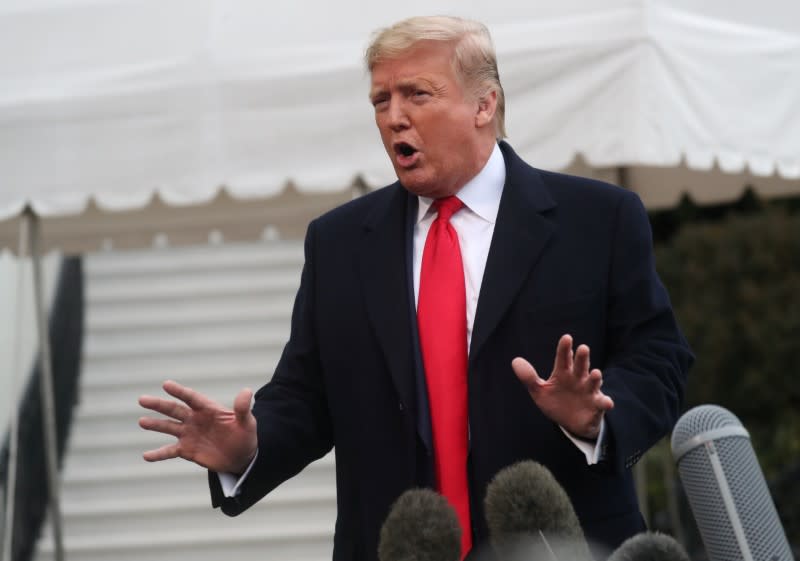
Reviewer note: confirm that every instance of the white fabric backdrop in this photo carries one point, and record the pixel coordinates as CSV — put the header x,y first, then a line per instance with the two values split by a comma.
x,y
118,99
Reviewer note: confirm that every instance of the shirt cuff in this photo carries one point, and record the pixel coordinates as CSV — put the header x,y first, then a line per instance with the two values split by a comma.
x,y
592,450
231,484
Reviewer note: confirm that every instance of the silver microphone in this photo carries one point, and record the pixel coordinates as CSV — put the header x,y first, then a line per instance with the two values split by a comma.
x,y
726,488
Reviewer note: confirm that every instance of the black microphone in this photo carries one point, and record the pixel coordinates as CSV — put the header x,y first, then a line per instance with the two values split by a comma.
x,y
726,488
650,546
421,526
530,516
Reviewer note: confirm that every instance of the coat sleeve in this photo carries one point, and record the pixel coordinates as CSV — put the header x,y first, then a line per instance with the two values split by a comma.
x,y
292,415
647,356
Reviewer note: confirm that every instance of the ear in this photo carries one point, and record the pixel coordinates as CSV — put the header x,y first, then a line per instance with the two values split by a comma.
x,y
487,105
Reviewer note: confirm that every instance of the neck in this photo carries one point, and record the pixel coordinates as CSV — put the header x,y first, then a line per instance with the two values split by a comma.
x,y
482,153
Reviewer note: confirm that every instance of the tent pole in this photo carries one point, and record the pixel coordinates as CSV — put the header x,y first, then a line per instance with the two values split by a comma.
x,y
23,250
46,386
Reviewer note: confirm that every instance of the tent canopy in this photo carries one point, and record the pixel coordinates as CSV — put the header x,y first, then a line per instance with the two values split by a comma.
x,y
129,105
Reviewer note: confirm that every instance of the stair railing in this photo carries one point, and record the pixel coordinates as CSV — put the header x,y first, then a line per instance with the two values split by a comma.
x,y
27,481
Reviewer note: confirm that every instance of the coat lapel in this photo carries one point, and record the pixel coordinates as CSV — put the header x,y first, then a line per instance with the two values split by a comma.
x,y
521,233
383,272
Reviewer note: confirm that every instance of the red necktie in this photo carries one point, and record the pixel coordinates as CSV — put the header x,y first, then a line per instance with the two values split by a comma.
x,y
442,322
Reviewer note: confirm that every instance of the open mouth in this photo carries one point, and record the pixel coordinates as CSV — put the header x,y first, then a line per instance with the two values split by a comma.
x,y
405,149
405,153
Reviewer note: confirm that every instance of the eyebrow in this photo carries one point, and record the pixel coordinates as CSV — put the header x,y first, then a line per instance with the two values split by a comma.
x,y
403,85
412,83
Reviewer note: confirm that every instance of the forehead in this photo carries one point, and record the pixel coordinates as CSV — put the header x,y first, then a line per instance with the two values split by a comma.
x,y
431,60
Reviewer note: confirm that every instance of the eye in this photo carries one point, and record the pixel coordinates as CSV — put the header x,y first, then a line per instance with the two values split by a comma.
x,y
420,94
380,103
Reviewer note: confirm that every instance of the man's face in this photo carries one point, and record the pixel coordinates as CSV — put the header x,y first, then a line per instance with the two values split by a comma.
x,y
429,125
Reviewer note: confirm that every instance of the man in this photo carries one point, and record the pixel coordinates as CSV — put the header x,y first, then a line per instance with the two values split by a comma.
x,y
406,368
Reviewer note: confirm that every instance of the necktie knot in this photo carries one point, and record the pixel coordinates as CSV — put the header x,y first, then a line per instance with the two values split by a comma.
x,y
447,206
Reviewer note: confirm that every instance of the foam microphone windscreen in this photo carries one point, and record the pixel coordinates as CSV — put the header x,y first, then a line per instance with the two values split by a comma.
x,y
421,526
650,546
726,488
530,516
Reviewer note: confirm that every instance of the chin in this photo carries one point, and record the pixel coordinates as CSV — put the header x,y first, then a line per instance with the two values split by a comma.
x,y
417,185
421,190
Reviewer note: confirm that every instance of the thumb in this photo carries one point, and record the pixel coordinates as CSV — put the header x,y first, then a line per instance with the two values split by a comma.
x,y
241,405
526,373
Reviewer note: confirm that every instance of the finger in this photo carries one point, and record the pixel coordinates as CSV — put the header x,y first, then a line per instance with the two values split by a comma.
x,y
563,354
602,401
166,452
166,407
595,380
581,367
195,400
605,403
526,373
241,404
165,426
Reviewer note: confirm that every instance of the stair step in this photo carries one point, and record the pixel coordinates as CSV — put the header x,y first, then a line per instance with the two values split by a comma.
x,y
123,404
176,479
309,544
175,287
143,340
156,502
112,317
166,469
156,516
106,371
208,343
221,386
111,458
199,258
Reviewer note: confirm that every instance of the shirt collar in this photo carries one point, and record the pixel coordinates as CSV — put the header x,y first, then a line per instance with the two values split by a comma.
x,y
482,193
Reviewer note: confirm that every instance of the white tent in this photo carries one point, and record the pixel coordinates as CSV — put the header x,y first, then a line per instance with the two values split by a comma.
x,y
159,108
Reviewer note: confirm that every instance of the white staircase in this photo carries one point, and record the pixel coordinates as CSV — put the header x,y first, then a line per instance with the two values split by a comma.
x,y
214,318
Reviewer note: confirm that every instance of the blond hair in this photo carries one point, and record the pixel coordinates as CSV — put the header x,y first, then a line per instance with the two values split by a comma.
x,y
474,59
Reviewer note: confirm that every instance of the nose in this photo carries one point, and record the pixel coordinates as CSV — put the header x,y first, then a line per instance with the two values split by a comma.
x,y
397,115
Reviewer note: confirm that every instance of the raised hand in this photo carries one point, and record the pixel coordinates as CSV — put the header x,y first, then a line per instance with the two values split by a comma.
x,y
571,396
208,434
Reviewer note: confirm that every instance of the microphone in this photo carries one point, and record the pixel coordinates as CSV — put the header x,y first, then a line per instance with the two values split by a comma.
x,y
421,526
726,488
530,516
650,546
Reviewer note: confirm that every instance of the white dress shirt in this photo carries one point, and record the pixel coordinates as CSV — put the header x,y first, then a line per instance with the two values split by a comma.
x,y
474,224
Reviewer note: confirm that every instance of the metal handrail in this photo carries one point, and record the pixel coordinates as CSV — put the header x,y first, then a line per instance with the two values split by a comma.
x,y
32,481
